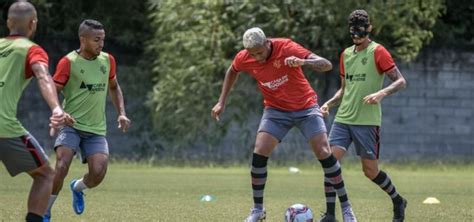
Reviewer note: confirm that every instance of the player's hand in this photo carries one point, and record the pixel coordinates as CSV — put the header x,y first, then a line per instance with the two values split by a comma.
x,y
374,98
58,118
217,110
294,61
69,119
325,110
123,123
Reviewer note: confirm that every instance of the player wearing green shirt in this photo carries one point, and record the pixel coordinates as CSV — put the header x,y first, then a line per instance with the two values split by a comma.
x,y
20,60
359,117
84,76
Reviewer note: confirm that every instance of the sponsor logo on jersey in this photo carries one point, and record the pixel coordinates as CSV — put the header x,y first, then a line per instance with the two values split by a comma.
x,y
274,84
4,54
355,77
93,88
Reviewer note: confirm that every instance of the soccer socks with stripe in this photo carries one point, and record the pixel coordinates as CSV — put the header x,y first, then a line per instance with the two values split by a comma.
x,y
330,194
259,178
384,182
332,171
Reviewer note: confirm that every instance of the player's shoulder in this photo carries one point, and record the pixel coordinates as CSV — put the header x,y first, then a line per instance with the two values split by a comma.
x,y
242,55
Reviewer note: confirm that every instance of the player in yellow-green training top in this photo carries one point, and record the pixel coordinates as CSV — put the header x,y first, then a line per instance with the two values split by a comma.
x,y
84,76
20,60
358,119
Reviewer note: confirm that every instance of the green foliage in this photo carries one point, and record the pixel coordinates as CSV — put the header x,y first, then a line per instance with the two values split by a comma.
x,y
454,28
195,42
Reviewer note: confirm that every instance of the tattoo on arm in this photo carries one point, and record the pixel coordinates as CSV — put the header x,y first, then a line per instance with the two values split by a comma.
x,y
319,64
398,81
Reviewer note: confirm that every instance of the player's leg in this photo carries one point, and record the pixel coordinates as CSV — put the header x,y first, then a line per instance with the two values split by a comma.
x,y
312,125
95,152
24,154
66,144
273,127
97,164
39,192
367,141
339,140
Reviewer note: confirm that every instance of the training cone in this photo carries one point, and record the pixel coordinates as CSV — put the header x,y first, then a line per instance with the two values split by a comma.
x,y
431,200
294,170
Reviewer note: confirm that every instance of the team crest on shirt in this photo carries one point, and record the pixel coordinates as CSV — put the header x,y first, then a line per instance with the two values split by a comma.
x,y
364,61
103,69
277,64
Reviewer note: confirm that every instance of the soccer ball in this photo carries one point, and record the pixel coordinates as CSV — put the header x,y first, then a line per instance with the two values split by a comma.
x,y
298,213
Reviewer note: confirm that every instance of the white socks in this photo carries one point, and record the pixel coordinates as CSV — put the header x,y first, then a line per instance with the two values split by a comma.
x,y
80,185
51,200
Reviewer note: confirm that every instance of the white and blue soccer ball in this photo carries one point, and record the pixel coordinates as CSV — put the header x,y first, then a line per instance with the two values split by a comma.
x,y
298,213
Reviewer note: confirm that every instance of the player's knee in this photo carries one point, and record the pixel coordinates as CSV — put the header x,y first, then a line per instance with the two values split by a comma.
x,y
370,173
62,167
44,173
98,173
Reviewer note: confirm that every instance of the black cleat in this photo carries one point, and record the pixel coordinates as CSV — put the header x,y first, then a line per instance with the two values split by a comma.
x,y
327,218
399,211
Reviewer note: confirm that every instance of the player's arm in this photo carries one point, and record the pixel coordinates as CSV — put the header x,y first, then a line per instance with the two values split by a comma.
x,y
48,91
335,100
398,81
231,77
317,63
386,65
117,99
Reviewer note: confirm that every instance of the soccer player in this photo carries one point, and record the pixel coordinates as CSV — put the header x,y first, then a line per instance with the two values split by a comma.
x,y
358,119
84,76
21,59
289,101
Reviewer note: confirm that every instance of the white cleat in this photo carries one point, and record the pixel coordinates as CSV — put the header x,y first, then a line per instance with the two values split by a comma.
x,y
256,215
348,215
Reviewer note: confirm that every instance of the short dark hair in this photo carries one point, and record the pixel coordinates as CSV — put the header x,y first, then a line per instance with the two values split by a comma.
x,y
359,17
89,24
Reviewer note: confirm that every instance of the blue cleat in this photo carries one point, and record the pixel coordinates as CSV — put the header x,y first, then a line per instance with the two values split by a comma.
x,y
47,217
77,199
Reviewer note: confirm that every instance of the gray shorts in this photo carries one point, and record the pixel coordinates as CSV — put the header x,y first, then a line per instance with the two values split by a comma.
x,y
366,139
278,123
21,154
88,143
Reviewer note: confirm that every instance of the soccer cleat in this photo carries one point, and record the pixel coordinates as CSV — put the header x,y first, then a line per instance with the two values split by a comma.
x,y
327,218
348,215
399,211
77,199
256,215
47,217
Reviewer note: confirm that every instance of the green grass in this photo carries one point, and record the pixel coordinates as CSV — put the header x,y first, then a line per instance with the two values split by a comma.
x,y
138,192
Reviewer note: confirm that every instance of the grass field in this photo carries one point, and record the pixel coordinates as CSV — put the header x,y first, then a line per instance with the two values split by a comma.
x,y
138,192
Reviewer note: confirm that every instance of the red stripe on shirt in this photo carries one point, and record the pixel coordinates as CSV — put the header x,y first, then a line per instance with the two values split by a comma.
x,y
113,67
35,54
63,70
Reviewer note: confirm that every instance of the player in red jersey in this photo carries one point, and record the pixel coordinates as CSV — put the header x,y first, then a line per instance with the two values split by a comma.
x,y
289,101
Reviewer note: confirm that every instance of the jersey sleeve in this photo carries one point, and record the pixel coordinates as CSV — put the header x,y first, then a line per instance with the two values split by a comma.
x,y
63,70
342,71
35,54
113,67
383,59
237,62
297,50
